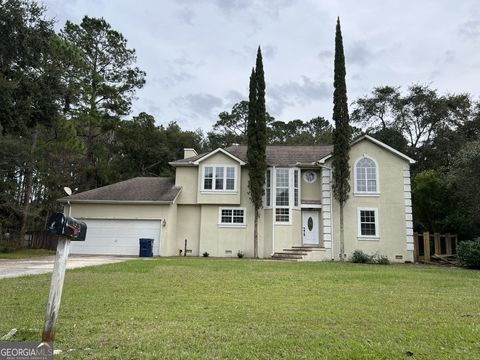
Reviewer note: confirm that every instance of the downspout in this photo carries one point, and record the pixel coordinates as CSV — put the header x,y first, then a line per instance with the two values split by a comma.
x,y
69,208
273,200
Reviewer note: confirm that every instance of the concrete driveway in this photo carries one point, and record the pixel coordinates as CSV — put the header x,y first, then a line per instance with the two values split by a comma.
x,y
41,265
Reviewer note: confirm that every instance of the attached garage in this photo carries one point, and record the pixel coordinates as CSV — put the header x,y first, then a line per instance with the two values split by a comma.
x,y
117,237
118,215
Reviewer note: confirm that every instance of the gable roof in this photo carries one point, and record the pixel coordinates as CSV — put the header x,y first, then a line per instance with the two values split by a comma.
x,y
136,190
377,142
286,155
225,152
277,155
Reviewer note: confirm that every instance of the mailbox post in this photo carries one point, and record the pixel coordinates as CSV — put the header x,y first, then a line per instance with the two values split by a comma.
x,y
68,229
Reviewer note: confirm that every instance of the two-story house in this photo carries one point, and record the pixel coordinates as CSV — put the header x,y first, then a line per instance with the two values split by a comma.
x,y
207,206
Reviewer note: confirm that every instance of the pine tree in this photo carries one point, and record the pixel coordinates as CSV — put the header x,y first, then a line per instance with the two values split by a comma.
x,y
256,141
341,135
106,84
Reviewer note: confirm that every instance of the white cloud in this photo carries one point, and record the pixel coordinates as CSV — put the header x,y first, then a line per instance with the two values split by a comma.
x,y
198,53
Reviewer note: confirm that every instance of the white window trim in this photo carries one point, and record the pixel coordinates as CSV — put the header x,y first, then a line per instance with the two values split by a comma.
x,y
377,170
299,194
271,187
224,190
289,222
291,193
359,228
232,225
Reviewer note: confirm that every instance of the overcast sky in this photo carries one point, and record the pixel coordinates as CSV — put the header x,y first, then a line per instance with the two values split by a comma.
x,y
198,54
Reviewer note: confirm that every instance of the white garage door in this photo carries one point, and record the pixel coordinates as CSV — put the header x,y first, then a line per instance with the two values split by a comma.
x,y
117,237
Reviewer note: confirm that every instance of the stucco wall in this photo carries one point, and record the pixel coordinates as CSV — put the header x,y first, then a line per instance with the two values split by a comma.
x,y
217,239
187,178
188,227
390,204
267,232
311,191
170,230
288,235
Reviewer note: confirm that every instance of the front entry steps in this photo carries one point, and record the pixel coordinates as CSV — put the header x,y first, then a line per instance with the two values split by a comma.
x,y
302,253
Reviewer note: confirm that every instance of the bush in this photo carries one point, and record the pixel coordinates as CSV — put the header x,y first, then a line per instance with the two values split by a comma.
x,y
6,247
240,254
469,253
206,254
380,259
360,257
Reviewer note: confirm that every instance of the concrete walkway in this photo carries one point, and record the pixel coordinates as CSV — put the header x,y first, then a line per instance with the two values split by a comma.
x,y
41,265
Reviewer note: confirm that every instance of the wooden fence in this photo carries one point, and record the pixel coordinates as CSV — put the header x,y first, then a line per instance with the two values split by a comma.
x,y
43,240
427,245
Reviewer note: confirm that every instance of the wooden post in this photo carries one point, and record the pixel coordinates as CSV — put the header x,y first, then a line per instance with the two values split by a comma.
x,y
426,246
438,247
185,253
416,252
448,243
56,287
455,241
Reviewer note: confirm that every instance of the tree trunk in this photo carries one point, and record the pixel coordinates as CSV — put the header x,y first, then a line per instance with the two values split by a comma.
x,y
255,235
342,233
28,184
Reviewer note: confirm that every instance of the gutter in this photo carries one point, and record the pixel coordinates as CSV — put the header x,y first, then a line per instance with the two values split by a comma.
x,y
117,202
185,164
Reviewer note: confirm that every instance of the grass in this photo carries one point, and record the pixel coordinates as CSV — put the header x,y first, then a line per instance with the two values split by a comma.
x,y
26,253
243,309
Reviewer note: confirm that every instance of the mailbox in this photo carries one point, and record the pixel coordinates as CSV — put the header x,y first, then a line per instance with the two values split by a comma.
x,y
61,224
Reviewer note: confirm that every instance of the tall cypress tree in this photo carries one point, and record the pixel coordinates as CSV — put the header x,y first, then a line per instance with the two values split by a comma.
x,y
341,135
256,141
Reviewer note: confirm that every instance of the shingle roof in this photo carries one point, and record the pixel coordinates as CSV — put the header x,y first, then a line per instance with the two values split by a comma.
x,y
281,155
140,189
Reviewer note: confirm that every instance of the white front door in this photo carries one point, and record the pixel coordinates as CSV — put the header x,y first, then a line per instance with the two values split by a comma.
x,y
310,228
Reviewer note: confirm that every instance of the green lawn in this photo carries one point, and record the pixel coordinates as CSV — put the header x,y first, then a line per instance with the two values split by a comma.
x,y
26,253
243,309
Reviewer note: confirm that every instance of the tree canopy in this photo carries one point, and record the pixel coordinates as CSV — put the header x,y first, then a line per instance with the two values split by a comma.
x,y
257,142
66,120
342,133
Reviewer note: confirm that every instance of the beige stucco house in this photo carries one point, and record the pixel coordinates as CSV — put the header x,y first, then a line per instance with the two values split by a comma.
x,y
207,206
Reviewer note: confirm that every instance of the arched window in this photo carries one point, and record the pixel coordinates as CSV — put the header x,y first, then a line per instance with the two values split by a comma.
x,y
366,176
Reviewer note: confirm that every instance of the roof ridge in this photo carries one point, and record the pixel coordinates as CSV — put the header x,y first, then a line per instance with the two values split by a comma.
x,y
144,185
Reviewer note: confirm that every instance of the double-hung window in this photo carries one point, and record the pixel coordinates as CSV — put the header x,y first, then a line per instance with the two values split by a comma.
x,y
368,223
282,195
268,189
219,178
232,216
208,178
295,187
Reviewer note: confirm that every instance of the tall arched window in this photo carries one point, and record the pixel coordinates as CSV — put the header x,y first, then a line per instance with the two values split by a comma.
x,y
366,175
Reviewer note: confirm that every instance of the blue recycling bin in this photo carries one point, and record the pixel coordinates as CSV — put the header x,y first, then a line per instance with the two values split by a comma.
x,y
146,248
